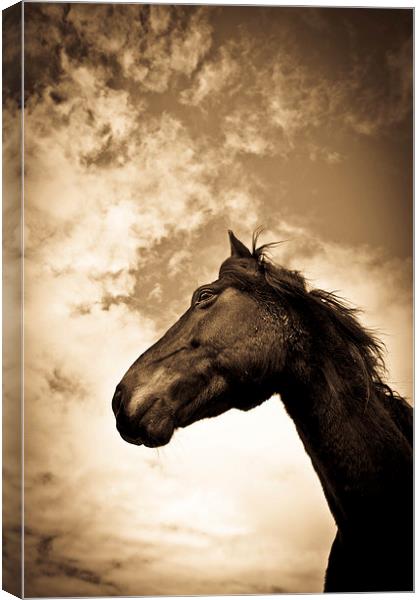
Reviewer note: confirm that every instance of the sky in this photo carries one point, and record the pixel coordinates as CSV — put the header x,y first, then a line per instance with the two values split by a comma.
x,y
150,131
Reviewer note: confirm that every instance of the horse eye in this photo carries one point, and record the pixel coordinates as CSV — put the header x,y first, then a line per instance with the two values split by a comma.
x,y
205,295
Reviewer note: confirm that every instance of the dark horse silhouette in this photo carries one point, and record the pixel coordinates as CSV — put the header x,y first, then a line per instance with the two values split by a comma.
x,y
256,331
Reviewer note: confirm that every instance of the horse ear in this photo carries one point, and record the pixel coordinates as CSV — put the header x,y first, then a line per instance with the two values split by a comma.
x,y
237,248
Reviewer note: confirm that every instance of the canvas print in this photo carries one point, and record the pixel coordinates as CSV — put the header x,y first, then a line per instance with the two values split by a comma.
x,y
207,306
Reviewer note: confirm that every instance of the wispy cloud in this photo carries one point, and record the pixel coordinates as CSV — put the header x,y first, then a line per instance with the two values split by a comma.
x,y
214,77
136,46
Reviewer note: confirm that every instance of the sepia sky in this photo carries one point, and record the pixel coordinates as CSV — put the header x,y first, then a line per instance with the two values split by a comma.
x,y
149,131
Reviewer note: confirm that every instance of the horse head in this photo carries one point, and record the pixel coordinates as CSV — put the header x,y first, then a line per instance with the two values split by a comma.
x,y
226,351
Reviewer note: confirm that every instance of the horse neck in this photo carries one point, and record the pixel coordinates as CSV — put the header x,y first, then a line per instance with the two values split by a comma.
x,y
362,458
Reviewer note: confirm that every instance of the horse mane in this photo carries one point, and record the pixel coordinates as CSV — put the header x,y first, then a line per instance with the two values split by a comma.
x,y
337,315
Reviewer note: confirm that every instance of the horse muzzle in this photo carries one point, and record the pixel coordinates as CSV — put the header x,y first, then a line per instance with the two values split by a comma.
x,y
151,423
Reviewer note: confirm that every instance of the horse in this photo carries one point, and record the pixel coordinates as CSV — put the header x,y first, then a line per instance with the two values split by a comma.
x,y
257,331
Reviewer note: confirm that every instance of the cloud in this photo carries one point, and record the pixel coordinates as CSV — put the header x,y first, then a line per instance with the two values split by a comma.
x,y
212,79
137,46
12,75
12,335
243,134
298,102
323,153
280,102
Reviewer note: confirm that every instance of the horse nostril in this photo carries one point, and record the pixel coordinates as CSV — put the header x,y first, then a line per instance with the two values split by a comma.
x,y
117,399
195,343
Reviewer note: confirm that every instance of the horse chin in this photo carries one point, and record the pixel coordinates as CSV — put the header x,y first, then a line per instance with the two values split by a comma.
x,y
157,435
